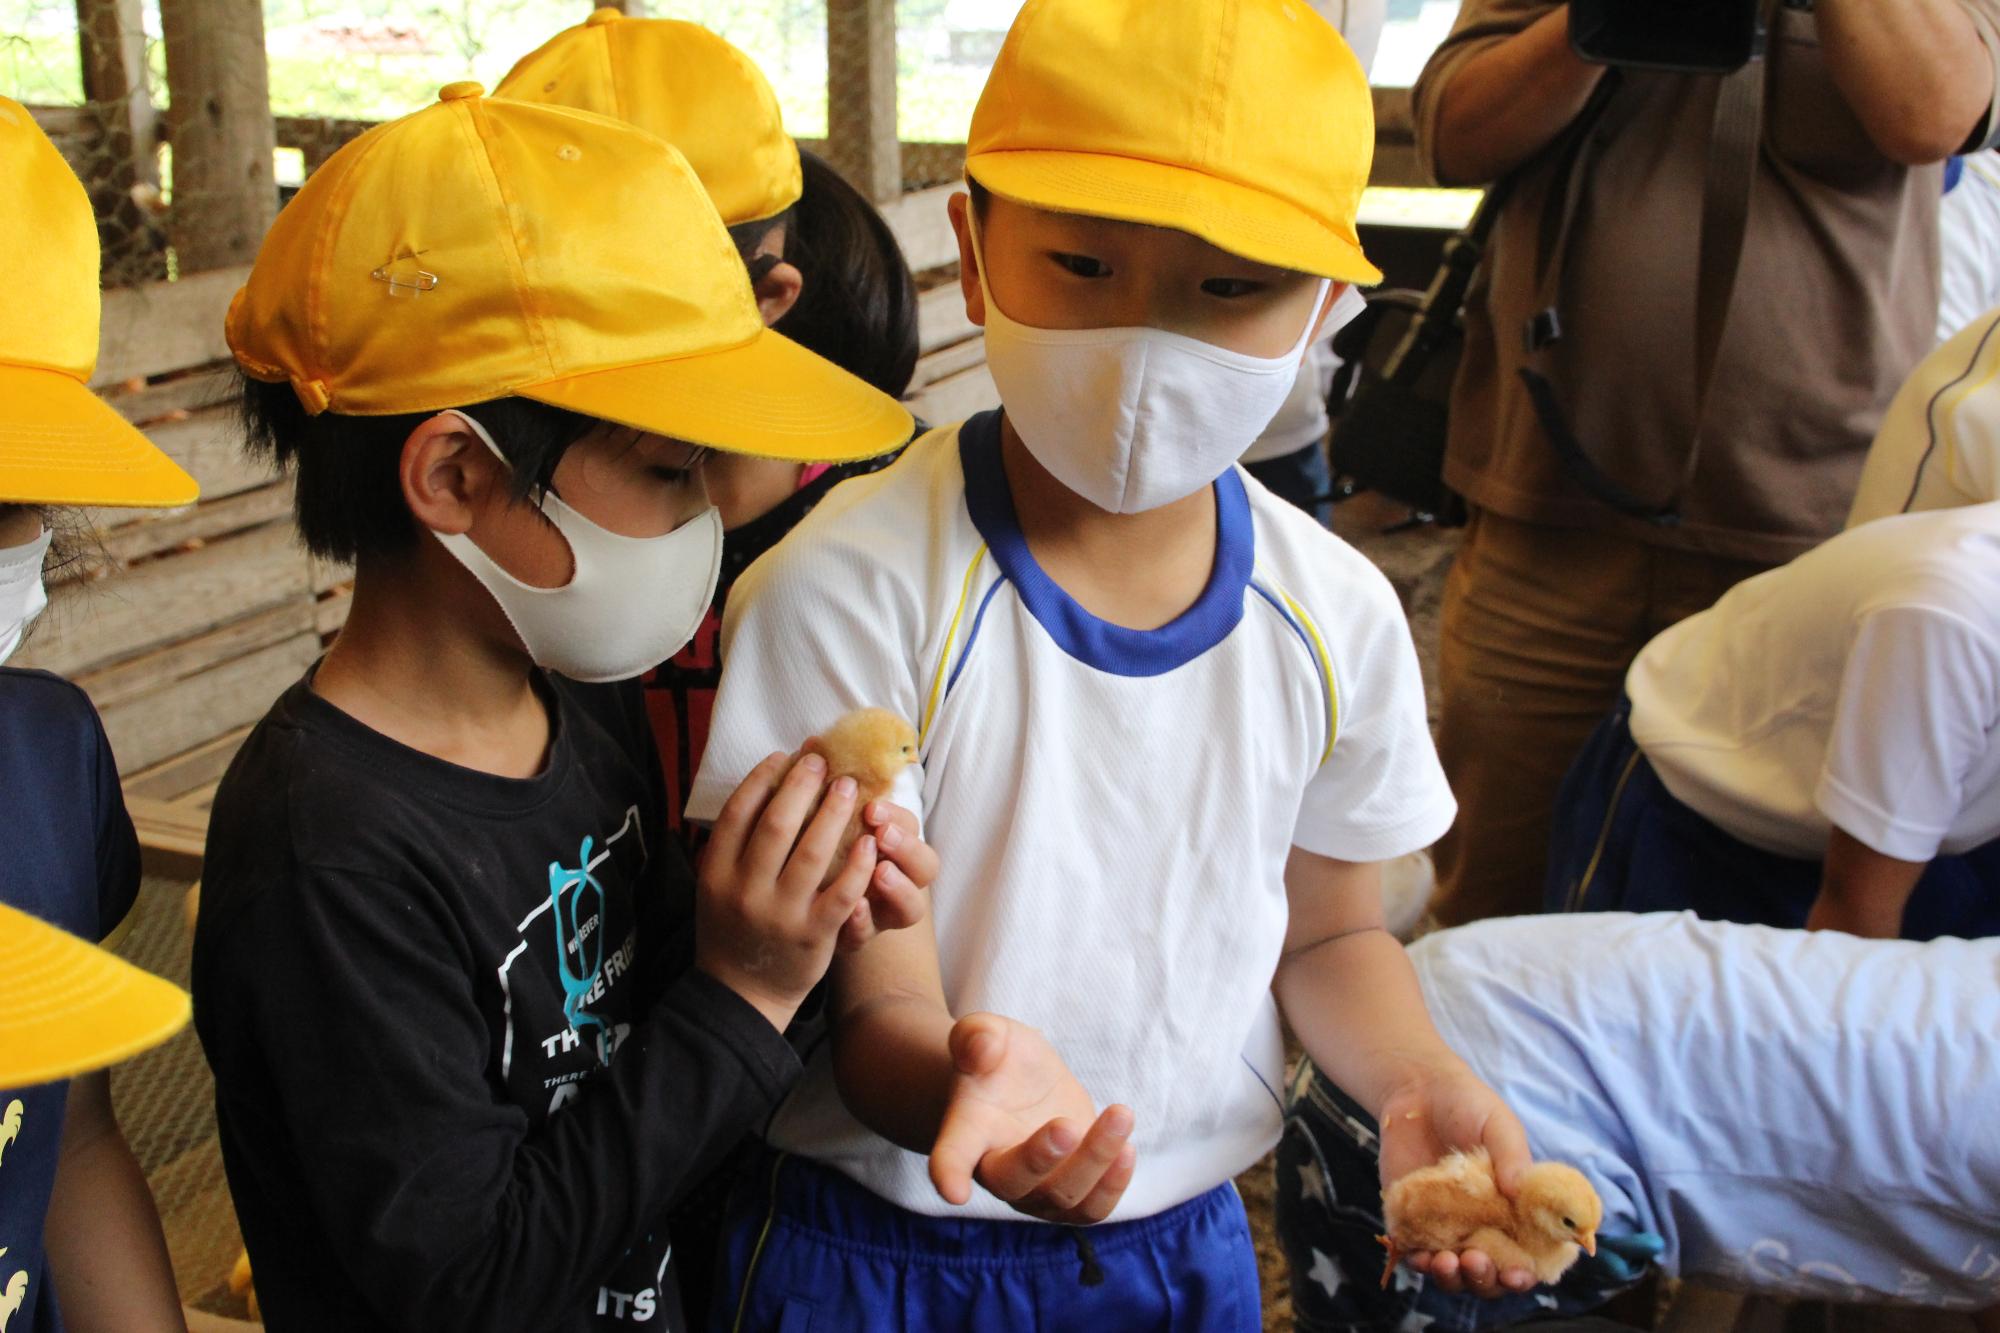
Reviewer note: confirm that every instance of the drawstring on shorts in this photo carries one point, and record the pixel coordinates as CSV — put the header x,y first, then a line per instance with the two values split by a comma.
x,y
1086,1255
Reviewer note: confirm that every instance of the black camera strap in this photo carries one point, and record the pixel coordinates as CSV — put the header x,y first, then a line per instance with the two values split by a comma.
x,y
1732,167
1443,306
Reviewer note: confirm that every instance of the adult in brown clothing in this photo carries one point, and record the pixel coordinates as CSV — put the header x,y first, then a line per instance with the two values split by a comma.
x,y
1835,299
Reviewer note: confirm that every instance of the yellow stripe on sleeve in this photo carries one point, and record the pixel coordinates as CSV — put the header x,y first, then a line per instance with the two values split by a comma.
x,y
950,640
1325,668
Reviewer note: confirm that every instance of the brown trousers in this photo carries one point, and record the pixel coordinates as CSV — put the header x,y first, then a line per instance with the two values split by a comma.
x,y
1539,627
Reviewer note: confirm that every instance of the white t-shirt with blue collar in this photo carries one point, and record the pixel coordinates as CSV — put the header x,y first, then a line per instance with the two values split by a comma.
x,y
1113,808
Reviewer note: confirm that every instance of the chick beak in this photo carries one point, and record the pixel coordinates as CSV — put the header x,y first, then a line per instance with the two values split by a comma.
x,y
1588,1239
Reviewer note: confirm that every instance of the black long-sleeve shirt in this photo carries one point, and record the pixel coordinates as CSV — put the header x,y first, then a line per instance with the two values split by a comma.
x,y
463,1066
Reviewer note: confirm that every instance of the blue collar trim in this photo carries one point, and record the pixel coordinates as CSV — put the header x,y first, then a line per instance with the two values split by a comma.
x,y
1098,643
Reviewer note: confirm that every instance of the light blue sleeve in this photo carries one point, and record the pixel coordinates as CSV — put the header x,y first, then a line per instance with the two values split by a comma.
x,y
1795,1114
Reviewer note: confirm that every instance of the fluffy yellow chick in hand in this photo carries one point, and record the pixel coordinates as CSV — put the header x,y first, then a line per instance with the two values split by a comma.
x,y
873,746
1457,1205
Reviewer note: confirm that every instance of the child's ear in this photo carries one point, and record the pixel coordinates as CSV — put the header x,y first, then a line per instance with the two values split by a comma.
x,y
778,291
447,473
960,208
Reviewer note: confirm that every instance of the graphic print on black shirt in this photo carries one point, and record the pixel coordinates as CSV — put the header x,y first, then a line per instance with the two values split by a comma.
x,y
568,931
463,1070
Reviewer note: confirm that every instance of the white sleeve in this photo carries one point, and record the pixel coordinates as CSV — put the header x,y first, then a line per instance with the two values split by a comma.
x,y
1919,702
1382,792
814,629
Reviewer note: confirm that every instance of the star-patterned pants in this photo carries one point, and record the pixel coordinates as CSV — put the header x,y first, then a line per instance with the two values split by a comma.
x,y
1330,1212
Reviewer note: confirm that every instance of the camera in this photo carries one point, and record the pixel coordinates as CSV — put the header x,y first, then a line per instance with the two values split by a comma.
x,y
1687,36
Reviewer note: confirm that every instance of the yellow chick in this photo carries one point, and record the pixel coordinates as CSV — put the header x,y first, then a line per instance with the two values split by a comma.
x,y
871,745
241,1284
1457,1205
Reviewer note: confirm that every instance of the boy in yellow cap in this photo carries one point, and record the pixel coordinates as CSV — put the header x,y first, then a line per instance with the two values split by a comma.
x,y
468,1052
75,1213
824,266
1169,725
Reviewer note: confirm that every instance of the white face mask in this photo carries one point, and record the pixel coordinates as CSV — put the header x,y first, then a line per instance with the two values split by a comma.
x,y
21,594
1132,419
631,603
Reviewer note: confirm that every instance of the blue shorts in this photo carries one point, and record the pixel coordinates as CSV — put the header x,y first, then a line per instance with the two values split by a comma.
x,y
809,1251
1623,843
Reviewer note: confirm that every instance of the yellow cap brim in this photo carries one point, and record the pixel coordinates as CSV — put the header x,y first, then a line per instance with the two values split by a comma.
x,y
68,1007
60,444
1227,215
769,397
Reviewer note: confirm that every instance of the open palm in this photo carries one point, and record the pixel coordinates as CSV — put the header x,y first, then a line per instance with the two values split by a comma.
x,y
1021,1124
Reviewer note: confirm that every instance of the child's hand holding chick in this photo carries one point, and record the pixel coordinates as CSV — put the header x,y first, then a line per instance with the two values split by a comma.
x,y
873,746
1435,1113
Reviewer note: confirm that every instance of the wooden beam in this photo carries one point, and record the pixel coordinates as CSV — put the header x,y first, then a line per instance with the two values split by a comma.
x,y
956,397
945,363
923,228
219,115
165,326
861,96
112,37
188,711
143,536
203,766
174,398
90,626
941,319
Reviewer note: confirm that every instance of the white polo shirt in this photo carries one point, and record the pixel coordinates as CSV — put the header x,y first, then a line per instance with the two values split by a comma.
x,y
1858,686
1113,808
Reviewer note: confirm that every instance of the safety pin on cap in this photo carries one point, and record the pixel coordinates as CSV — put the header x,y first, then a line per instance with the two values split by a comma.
x,y
416,282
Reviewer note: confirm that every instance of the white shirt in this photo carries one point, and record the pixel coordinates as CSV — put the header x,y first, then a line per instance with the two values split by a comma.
x,y
1939,442
1858,686
1113,808
1969,235
1794,1114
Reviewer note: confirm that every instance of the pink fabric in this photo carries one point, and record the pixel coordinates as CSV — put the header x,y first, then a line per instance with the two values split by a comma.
x,y
811,473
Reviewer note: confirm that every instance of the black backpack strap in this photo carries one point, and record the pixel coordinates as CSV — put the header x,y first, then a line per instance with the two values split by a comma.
x,y
1443,305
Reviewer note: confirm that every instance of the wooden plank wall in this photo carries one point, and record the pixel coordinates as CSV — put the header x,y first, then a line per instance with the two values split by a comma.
x,y
200,615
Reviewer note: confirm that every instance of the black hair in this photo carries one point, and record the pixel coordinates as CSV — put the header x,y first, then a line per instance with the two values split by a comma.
x,y
75,549
858,307
349,494
749,235
980,194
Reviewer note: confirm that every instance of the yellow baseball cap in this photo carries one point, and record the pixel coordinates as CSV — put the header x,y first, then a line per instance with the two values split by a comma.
x,y
59,442
687,85
482,247
1245,122
68,1006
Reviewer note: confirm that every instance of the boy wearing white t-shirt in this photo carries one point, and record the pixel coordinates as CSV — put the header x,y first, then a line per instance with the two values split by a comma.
x,y
1820,748
1168,725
